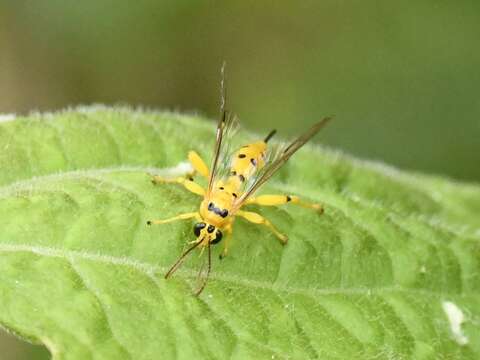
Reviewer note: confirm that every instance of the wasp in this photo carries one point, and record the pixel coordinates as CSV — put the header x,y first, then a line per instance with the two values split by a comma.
x,y
233,178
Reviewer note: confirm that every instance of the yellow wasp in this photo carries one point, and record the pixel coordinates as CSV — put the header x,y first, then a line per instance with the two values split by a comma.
x,y
233,178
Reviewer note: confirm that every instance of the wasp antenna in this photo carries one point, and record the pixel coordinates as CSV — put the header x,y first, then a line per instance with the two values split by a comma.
x,y
223,91
326,119
180,260
270,135
208,272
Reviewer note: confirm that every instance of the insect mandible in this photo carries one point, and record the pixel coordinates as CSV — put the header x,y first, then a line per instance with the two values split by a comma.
x,y
233,178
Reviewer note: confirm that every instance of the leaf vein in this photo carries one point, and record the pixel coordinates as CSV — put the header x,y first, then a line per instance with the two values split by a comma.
x,y
190,273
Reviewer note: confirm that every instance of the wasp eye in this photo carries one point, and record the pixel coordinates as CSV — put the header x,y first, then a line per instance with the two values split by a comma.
x,y
197,227
218,237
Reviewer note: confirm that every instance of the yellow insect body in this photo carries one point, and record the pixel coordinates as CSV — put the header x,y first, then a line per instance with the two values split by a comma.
x,y
232,180
215,209
248,159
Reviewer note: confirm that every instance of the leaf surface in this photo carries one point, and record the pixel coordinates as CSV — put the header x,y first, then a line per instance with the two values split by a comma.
x,y
390,271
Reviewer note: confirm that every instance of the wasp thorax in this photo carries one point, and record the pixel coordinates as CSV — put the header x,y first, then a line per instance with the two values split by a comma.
x,y
221,212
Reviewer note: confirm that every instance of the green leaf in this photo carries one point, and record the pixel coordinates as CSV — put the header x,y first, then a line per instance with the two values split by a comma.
x,y
390,271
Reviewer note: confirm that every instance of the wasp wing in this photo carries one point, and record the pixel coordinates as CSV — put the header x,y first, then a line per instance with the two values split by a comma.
x,y
226,127
275,160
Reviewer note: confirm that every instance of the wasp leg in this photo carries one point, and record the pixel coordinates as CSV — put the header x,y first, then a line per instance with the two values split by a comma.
x,y
259,219
175,218
226,242
198,164
272,200
188,184
187,181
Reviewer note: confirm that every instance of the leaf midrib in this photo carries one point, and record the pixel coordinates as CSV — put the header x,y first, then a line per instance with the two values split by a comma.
x,y
328,199
150,270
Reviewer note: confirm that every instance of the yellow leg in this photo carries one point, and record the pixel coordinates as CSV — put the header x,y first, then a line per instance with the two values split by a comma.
x,y
188,184
272,200
226,242
175,218
198,164
259,219
187,181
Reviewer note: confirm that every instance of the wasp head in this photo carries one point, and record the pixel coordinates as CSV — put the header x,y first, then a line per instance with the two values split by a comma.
x,y
207,233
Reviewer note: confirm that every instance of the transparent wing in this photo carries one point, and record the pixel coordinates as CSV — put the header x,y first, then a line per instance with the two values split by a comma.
x,y
226,128
276,158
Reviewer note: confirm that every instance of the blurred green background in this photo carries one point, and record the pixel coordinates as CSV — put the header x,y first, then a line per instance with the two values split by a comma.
x,y
401,78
